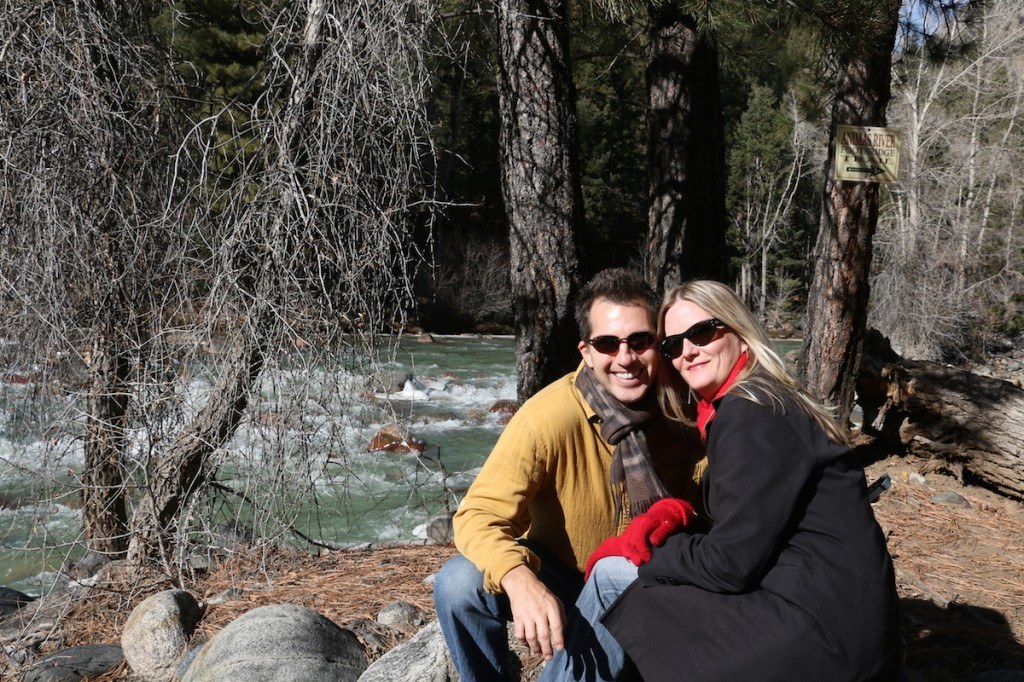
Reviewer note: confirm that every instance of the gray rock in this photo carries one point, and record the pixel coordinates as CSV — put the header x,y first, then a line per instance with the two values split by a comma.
x,y
387,382
11,600
89,565
440,530
225,595
951,499
233,533
280,642
75,663
157,632
23,632
424,658
187,658
1000,345
400,615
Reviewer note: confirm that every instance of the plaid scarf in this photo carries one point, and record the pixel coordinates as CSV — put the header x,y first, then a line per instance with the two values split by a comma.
x,y
622,426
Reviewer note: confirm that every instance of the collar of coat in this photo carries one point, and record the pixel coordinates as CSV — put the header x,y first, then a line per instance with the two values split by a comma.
x,y
706,408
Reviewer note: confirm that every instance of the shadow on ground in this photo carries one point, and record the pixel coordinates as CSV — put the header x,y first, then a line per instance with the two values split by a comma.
x,y
959,643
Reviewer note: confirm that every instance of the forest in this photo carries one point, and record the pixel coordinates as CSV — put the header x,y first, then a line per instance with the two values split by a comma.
x,y
946,239
328,175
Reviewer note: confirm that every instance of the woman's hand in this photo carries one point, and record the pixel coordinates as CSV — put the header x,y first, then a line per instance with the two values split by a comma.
x,y
665,517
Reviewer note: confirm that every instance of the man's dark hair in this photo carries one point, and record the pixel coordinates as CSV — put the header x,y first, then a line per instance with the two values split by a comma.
x,y
619,286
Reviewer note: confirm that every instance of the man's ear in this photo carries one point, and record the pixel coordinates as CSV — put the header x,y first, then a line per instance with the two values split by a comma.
x,y
585,352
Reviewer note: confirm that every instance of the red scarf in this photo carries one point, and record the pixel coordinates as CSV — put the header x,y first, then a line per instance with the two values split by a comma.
x,y
706,408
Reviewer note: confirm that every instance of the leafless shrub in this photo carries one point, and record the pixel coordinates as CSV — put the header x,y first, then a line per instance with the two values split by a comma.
x,y
200,294
949,241
474,280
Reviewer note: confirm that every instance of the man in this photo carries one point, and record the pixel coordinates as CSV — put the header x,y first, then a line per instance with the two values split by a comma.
x,y
575,463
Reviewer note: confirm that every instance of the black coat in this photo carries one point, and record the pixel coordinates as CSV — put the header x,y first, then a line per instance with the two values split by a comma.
x,y
791,582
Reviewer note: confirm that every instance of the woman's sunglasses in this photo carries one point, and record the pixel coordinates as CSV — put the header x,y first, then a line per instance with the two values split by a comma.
x,y
638,342
700,334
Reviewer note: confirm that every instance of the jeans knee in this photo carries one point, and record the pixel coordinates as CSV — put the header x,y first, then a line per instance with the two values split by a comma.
x,y
457,583
611,576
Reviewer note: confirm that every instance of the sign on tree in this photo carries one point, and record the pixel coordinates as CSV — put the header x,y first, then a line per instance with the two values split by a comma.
x,y
867,154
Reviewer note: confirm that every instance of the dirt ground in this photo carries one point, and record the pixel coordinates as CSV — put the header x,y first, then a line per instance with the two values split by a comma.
x,y
959,557
958,551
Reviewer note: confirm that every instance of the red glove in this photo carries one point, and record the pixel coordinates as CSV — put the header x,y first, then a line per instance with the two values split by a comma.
x,y
672,515
665,517
652,528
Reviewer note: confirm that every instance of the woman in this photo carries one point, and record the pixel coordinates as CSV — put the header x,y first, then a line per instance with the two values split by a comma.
x,y
791,580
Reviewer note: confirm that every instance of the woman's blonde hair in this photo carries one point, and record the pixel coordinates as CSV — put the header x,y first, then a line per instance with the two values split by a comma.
x,y
765,373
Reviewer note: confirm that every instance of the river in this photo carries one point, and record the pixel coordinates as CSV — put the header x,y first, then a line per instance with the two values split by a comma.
x,y
329,486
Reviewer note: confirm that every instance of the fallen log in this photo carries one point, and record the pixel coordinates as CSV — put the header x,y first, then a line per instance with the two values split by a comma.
x,y
973,422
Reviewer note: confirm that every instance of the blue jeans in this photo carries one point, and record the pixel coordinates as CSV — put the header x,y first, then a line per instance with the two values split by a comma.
x,y
474,621
591,653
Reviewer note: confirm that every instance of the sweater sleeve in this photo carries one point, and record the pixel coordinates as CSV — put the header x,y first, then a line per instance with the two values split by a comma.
x,y
495,511
757,466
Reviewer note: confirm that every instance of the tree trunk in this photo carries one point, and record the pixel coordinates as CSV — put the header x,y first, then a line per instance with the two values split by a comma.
x,y
104,514
838,297
974,423
174,477
685,148
540,184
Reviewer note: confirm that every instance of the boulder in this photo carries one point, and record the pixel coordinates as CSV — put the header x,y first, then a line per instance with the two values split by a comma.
x,y
27,629
414,389
76,663
396,438
157,633
424,658
11,600
189,656
280,642
387,382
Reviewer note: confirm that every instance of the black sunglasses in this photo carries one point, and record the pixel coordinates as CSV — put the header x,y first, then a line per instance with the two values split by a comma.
x,y
700,334
609,345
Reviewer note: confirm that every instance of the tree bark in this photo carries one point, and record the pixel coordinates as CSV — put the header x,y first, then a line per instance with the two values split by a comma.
x,y
104,513
974,423
540,185
838,297
686,211
108,223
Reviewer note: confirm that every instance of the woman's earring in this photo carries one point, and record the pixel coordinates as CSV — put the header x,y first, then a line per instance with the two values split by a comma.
x,y
689,396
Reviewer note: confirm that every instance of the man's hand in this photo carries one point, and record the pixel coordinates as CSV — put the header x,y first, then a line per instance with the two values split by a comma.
x,y
537,613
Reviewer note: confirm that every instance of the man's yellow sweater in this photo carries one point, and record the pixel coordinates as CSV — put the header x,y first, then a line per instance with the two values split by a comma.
x,y
547,480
